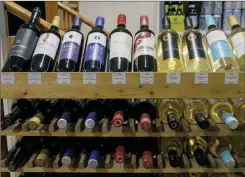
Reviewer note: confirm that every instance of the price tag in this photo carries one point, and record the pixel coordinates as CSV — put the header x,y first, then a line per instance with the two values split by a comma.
x,y
231,78
118,78
34,78
201,78
64,78
146,78
173,78
89,78
7,78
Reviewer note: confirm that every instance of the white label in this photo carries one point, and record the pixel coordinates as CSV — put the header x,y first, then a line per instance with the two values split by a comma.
x,y
231,78
63,78
146,78
7,78
201,78
97,38
89,78
144,44
121,46
238,42
72,36
215,36
118,78
34,78
173,78
47,44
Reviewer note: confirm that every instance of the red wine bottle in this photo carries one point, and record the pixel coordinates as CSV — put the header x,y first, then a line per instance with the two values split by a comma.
x,y
45,53
71,48
24,44
120,47
94,58
144,111
145,48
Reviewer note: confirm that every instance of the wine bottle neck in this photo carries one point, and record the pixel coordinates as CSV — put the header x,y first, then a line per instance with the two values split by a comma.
x,y
76,27
99,27
211,27
144,27
121,26
53,27
236,26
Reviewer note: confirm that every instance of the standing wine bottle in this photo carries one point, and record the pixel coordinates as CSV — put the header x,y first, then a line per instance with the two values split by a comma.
x,y
24,44
192,13
219,50
120,47
71,48
168,54
239,105
43,59
119,111
195,58
170,111
197,147
95,111
145,47
223,111
144,111
94,58
221,147
196,112
237,40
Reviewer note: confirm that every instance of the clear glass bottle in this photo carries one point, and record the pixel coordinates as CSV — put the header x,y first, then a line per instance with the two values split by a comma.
x,y
193,49
168,45
237,40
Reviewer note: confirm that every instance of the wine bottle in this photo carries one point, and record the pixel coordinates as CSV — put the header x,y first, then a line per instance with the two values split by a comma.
x,y
192,13
120,47
145,47
222,111
20,109
71,48
144,111
239,105
179,9
237,40
197,147
171,8
196,112
69,151
219,50
168,53
194,54
95,111
170,111
43,59
94,149
94,58
221,147
24,44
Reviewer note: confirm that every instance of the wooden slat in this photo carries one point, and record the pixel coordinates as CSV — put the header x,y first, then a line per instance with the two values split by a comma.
x,y
51,10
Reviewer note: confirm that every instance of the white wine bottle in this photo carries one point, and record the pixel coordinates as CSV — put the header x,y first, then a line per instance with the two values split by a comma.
x,y
239,105
221,147
170,111
196,112
222,111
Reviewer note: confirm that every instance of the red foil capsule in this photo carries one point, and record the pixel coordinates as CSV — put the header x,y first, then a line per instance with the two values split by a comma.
x,y
118,119
144,20
147,160
119,154
121,19
145,121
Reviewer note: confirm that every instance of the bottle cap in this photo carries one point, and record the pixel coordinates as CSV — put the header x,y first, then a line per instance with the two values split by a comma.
x,y
119,154
173,121
56,21
174,159
12,166
145,121
147,160
121,19
200,156
42,158
228,159
209,20
230,120
90,120
35,121
7,121
201,121
93,159
35,16
67,157
66,160
166,22
144,20
188,22
64,119
233,20
100,21
77,21
118,119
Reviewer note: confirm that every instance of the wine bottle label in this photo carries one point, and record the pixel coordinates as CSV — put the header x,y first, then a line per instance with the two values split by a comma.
x,y
170,48
195,46
96,47
219,45
121,46
24,43
238,41
71,45
47,44
144,44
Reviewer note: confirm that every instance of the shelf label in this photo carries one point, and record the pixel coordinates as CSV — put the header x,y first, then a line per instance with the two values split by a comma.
x,y
201,78
34,78
64,78
231,78
118,78
146,78
173,78
89,78
7,78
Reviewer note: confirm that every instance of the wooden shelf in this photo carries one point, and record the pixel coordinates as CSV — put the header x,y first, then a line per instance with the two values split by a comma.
x,y
104,88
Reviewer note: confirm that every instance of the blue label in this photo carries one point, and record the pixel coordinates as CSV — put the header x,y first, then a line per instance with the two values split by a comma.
x,y
220,49
70,51
94,155
92,115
